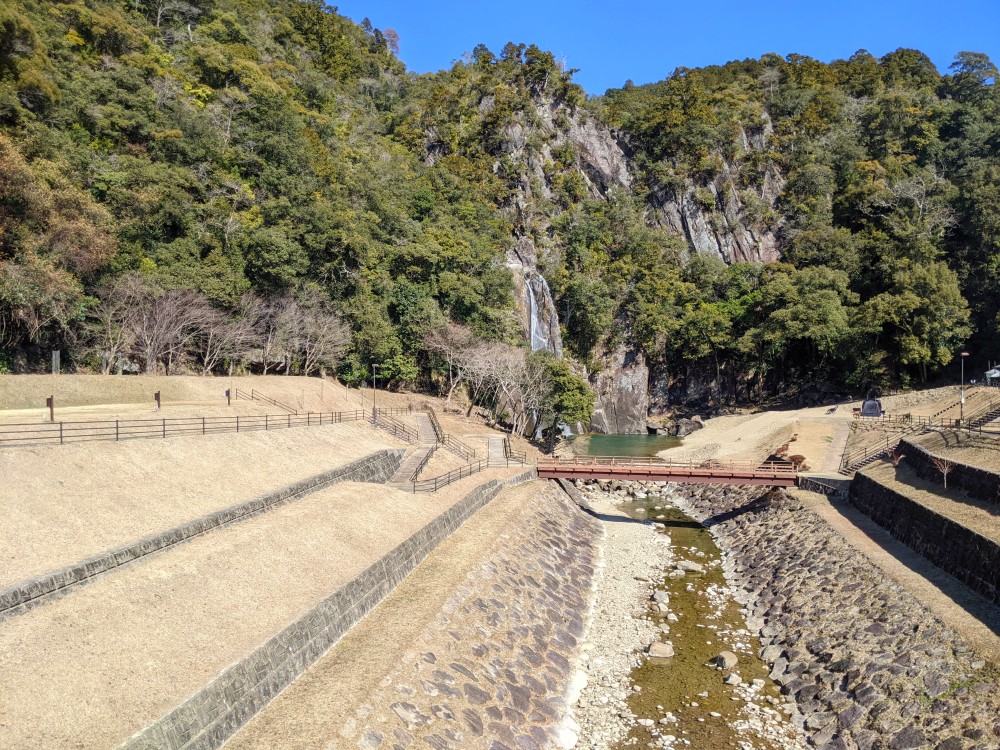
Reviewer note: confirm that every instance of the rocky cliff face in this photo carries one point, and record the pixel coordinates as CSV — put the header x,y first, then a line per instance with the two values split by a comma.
x,y
602,163
622,389
537,310
718,219
714,216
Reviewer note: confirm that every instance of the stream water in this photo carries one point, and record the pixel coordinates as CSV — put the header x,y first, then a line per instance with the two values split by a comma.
x,y
622,445
686,698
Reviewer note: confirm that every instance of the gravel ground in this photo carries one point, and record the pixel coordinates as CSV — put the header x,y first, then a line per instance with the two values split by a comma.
x,y
631,621
633,556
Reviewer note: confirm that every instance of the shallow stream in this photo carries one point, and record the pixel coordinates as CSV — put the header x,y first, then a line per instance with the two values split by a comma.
x,y
686,697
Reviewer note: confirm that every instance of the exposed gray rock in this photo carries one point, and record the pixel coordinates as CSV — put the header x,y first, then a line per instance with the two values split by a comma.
x,y
539,320
860,656
713,215
726,660
622,402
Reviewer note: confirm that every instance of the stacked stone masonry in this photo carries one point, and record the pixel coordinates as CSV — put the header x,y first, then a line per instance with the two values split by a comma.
x,y
970,557
377,468
208,718
495,667
976,482
868,667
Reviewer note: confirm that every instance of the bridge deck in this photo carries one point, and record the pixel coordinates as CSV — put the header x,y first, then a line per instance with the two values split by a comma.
x,y
770,474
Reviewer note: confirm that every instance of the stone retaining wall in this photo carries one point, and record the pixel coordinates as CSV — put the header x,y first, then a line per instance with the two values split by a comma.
x,y
869,668
978,483
376,467
971,558
836,488
208,718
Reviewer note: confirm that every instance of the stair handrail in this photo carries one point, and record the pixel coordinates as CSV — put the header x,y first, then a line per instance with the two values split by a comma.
x,y
464,450
422,464
396,427
435,483
435,425
512,455
258,396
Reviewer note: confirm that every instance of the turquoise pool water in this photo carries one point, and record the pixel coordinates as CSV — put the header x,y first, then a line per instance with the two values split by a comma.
x,y
622,445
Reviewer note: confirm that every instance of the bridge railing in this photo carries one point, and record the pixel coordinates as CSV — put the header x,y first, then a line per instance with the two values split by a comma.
x,y
775,468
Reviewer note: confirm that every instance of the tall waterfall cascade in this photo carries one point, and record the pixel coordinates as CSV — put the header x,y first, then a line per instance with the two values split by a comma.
x,y
533,297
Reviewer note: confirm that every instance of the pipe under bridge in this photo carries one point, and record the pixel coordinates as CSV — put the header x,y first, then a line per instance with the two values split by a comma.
x,y
640,469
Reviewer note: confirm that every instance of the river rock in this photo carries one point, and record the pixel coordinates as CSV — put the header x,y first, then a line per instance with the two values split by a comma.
x,y
661,650
689,566
726,660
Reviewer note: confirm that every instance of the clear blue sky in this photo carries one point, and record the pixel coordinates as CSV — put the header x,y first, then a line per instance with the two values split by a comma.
x,y
611,42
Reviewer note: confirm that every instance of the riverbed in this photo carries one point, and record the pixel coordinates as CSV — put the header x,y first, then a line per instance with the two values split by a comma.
x,y
687,613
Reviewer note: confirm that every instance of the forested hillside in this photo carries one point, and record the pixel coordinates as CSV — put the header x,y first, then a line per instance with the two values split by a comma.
x,y
234,184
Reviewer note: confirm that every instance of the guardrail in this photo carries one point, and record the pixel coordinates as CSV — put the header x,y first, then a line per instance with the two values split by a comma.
x,y
861,456
128,429
781,468
457,446
397,428
512,455
435,425
395,411
258,396
422,464
435,483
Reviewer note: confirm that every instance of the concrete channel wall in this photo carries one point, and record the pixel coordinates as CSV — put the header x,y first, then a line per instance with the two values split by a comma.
x,y
376,467
970,557
208,718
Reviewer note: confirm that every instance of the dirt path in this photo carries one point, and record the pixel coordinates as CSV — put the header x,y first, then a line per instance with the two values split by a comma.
x,y
756,436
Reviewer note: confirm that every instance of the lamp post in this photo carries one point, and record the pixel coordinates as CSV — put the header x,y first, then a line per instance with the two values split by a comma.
x,y
961,401
374,412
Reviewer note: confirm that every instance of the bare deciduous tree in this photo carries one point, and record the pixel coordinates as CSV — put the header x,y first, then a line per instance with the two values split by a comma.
x,y
165,324
110,328
307,332
224,338
451,341
945,467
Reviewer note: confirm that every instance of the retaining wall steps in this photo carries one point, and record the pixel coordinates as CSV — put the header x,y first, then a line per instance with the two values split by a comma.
x,y
192,642
21,597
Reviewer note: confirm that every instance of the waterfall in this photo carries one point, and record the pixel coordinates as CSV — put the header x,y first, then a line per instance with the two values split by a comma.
x,y
536,337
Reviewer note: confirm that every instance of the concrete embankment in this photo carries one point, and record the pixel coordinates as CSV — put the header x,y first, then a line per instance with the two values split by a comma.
x,y
477,648
868,666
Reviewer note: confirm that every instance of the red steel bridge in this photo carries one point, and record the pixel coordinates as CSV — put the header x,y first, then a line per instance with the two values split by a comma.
x,y
768,473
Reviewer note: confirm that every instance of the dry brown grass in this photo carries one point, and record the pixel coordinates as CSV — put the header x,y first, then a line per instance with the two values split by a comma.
x,y
971,513
100,664
312,710
62,504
